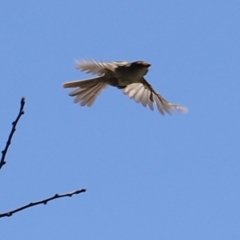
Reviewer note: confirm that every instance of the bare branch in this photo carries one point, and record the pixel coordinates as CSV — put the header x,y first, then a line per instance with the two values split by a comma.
x,y
14,124
44,201
3,161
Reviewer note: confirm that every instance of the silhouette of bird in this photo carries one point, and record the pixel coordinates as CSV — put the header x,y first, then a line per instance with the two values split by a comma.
x,y
127,76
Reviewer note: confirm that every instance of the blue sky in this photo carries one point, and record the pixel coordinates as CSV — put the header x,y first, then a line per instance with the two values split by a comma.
x,y
147,176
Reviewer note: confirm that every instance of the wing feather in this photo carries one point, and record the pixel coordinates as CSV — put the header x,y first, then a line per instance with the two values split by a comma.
x,y
97,68
144,93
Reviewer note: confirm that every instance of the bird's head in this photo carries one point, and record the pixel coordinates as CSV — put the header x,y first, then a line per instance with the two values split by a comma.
x,y
140,68
141,64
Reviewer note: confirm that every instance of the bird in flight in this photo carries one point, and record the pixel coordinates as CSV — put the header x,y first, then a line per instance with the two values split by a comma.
x,y
126,76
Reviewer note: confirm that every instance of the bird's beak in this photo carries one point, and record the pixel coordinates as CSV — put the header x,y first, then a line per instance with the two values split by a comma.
x,y
147,65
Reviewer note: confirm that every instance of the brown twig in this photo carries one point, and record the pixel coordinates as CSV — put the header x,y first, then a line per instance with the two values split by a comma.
x,y
44,201
14,124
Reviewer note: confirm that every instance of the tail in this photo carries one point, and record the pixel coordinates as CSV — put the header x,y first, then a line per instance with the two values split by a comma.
x,y
87,90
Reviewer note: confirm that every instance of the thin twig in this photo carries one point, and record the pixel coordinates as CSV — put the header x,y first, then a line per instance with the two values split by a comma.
x,y
44,201
14,124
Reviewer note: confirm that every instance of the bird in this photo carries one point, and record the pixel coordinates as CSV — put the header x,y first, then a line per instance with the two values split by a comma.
x,y
129,77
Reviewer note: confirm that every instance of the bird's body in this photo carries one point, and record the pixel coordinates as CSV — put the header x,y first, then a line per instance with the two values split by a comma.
x,y
128,76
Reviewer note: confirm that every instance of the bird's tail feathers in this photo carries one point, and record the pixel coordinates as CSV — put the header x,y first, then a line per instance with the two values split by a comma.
x,y
87,90
82,83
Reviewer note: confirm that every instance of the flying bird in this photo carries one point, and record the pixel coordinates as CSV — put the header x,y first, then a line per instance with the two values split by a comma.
x,y
126,76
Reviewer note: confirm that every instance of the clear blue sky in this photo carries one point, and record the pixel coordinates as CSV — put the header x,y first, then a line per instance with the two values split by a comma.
x,y
147,176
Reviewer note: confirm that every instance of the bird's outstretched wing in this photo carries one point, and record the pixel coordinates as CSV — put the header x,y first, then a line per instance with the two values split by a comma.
x,y
144,93
98,68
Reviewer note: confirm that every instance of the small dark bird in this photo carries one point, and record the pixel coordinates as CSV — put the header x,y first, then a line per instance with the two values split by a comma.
x,y
127,76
